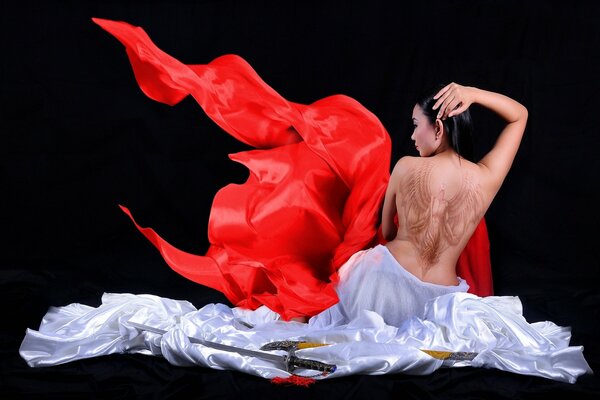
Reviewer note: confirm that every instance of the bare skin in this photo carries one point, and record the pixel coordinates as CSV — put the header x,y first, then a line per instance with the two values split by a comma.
x,y
439,197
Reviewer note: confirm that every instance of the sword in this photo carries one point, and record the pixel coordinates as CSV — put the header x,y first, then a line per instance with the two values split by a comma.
x,y
293,345
290,362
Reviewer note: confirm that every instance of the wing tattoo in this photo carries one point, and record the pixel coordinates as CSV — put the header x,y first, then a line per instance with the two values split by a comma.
x,y
434,220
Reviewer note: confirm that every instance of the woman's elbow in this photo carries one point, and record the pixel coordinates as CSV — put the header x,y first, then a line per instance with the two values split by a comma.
x,y
389,234
523,113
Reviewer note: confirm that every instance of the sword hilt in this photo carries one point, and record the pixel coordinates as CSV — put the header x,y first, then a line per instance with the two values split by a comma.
x,y
293,362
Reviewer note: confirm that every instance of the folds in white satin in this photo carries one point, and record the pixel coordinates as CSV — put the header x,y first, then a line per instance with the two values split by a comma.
x,y
492,326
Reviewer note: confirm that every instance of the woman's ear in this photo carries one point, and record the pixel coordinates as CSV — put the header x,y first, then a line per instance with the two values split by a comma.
x,y
439,128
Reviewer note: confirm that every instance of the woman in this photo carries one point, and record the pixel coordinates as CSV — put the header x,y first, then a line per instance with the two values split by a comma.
x,y
439,199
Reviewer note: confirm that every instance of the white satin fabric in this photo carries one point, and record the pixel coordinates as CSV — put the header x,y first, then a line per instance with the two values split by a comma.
x,y
373,280
359,342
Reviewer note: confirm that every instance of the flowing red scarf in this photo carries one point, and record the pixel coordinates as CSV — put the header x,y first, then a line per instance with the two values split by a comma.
x,y
316,183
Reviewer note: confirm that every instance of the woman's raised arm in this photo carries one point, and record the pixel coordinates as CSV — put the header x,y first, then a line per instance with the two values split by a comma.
x,y
454,99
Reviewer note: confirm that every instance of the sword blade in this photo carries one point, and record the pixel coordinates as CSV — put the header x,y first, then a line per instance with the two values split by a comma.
x,y
297,362
219,346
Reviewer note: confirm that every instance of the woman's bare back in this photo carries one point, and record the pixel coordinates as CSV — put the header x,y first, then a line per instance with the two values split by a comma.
x,y
440,198
439,202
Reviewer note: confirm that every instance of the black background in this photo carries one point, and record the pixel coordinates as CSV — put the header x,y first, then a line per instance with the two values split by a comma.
x,y
79,138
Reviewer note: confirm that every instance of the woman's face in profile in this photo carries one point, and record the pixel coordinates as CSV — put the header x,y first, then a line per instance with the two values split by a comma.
x,y
423,134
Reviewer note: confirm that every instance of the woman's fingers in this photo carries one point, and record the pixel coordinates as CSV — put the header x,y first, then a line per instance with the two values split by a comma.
x,y
442,91
441,96
451,103
452,100
461,107
448,99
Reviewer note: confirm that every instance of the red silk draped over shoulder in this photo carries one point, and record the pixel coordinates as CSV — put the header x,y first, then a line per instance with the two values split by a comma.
x,y
316,183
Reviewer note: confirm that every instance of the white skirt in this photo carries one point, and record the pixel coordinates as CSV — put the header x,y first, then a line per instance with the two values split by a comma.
x,y
373,280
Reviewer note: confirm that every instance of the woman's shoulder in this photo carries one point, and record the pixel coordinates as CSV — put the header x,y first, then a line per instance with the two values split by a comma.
x,y
436,168
404,163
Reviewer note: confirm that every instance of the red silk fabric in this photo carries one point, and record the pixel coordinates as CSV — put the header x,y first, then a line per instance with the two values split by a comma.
x,y
316,181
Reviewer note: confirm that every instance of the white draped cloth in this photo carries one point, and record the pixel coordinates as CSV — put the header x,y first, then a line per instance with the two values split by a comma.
x,y
362,336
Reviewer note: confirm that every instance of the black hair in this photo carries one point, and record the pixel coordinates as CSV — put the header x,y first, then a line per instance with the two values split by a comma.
x,y
459,128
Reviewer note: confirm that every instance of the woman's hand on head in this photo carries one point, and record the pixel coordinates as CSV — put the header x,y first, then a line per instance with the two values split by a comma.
x,y
453,99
